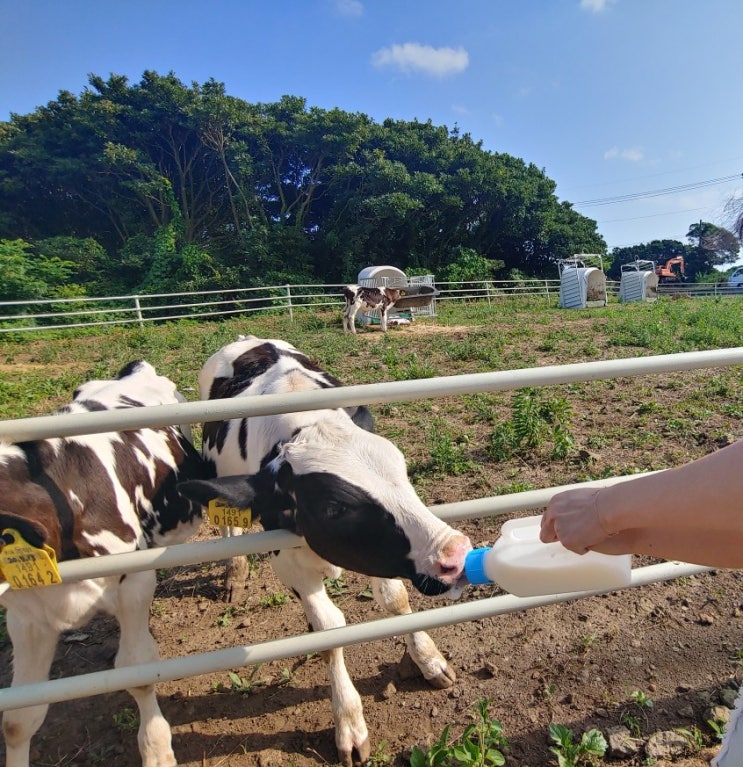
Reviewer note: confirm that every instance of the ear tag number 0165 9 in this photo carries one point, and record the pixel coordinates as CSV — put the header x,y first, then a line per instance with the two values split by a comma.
x,y
24,566
220,513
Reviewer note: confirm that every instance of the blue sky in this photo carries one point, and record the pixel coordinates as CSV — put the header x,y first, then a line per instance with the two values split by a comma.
x,y
610,97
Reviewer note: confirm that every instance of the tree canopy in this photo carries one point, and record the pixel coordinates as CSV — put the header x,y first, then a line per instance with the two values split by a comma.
x,y
163,186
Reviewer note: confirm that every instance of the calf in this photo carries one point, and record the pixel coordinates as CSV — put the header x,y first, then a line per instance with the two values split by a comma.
x,y
368,299
87,496
324,475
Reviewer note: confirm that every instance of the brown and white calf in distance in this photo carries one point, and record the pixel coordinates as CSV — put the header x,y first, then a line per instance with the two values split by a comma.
x,y
86,496
368,299
325,475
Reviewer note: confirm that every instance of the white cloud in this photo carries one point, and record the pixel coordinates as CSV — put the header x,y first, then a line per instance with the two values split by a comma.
x,y
349,8
632,154
595,6
414,57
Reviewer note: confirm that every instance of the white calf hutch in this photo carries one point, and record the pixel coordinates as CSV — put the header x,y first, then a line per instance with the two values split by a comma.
x,y
582,282
418,300
638,282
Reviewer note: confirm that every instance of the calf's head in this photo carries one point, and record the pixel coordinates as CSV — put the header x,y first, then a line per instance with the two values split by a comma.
x,y
352,502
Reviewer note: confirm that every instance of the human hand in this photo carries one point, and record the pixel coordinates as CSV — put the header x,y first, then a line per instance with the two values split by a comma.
x,y
572,517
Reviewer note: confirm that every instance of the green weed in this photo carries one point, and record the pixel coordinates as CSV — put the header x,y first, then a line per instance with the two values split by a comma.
x,y
480,745
126,720
274,600
225,619
634,716
718,727
693,735
572,753
335,586
537,418
586,642
447,454
242,685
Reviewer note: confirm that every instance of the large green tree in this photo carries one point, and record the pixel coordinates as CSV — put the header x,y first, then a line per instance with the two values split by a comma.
x,y
712,246
186,187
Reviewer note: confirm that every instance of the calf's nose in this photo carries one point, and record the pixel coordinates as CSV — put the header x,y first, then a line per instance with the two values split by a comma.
x,y
450,564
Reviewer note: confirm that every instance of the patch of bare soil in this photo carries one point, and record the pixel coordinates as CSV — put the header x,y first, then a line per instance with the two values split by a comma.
x,y
580,664
417,329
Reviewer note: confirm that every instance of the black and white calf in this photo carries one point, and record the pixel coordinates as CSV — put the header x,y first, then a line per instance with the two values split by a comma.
x,y
87,496
368,299
323,475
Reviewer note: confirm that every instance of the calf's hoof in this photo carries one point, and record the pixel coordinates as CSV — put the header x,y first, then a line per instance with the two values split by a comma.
x,y
362,752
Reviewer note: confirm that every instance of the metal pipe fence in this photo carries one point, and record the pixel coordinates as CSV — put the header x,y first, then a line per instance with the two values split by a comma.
x,y
87,312
177,668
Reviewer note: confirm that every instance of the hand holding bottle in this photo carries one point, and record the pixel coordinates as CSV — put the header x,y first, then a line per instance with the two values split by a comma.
x,y
573,518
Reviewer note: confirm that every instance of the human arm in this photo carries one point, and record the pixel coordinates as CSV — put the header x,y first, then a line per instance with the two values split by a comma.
x,y
693,513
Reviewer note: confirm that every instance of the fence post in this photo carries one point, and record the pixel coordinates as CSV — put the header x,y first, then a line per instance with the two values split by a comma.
x,y
138,309
487,290
289,302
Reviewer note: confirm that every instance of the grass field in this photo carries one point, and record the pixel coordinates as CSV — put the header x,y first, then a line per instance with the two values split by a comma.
x,y
565,663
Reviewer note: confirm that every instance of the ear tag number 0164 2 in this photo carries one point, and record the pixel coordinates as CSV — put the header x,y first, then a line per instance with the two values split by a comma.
x,y
25,566
220,513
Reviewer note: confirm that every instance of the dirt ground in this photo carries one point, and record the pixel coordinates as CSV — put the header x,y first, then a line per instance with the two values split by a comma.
x,y
580,664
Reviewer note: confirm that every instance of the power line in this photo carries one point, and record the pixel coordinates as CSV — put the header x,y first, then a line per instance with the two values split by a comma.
x,y
658,192
727,162
654,215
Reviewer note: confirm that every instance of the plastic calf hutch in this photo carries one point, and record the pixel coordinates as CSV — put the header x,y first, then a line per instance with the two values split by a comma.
x,y
582,285
418,294
638,282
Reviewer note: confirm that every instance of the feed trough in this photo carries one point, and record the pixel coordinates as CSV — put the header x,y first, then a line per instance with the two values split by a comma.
x,y
416,296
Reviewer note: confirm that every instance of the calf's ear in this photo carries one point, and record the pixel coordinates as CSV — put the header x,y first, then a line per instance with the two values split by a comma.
x,y
240,491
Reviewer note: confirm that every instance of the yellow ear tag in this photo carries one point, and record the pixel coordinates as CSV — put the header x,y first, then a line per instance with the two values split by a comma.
x,y
220,513
24,566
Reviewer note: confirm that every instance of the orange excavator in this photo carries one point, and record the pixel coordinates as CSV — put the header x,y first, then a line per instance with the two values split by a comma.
x,y
671,271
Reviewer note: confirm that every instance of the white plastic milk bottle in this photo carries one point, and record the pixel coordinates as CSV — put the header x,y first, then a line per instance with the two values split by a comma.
x,y
525,567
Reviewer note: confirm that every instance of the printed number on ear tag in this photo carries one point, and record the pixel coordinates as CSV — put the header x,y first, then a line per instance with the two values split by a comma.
x,y
220,513
24,566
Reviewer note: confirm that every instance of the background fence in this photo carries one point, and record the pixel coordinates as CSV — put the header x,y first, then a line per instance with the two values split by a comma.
x,y
55,314
240,656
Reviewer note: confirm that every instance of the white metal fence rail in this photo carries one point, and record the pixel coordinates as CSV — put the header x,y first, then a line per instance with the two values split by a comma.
x,y
69,313
178,668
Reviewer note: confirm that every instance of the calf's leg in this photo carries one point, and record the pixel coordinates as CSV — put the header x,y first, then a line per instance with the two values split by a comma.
x,y
137,645
303,571
392,596
349,318
383,319
33,652
237,571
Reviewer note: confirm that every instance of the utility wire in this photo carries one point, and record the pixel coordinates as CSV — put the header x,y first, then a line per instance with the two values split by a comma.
x,y
659,192
655,215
